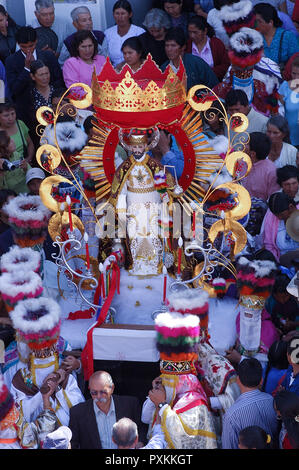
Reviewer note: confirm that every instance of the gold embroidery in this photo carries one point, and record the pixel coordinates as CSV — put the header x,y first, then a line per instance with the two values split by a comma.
x,y
142,190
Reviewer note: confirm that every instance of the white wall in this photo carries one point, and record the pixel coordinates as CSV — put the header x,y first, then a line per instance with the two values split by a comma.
x,y
64,7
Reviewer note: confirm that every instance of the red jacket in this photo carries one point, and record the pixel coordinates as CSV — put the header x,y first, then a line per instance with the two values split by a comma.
x,y
220,57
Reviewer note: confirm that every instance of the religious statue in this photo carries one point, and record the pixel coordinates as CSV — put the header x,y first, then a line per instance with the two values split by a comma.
x,y
139,188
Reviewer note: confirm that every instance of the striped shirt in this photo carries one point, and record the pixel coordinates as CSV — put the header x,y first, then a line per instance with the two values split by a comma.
x,y
105,423
253,408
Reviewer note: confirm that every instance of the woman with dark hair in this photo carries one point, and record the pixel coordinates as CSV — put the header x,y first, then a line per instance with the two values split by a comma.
x,y
157,24
177,15
133,54
204,44
288,180
116,35
8,29
17,130
197,70
282,152
254,437
279,44
286,405
85,58
42,91
277,366
275,237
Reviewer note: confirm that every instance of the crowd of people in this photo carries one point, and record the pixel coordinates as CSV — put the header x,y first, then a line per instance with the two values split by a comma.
x,y
38,63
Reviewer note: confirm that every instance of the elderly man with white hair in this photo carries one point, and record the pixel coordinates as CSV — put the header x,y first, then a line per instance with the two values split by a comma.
x,y
82,20
47,22
125,435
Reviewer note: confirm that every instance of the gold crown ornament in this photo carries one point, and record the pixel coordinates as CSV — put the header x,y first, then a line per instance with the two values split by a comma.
x,y
121,99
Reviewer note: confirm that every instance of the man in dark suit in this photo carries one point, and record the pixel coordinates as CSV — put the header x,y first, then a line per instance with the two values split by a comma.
x,y
91,424
18,70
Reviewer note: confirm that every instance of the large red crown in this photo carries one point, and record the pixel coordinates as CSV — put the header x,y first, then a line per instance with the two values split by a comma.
x,y
147,97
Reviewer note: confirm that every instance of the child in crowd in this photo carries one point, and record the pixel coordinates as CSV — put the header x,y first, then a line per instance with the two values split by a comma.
x,y
254,437
12,177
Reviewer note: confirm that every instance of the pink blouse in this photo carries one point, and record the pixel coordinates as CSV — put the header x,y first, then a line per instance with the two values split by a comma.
x,y
76,70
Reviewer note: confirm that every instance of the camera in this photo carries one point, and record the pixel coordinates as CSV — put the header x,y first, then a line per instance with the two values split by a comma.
x,y
8,166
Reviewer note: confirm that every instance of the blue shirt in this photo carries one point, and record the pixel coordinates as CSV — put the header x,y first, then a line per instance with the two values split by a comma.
x,y
294,386
281,52
253,408
105,423
291,106
174,158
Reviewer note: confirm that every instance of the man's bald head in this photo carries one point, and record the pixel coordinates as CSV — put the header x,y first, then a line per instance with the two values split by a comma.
x,y
125,433
101,376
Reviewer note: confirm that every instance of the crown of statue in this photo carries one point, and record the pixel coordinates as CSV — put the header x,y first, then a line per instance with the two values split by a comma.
x,y
117,97
136,136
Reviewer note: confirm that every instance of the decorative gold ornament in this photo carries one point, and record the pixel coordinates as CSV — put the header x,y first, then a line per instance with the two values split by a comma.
x,y
255,302
128,96
86,101
40,115
60,220
232,159
48,157
203,105
244,200
243,122
45,191
228,225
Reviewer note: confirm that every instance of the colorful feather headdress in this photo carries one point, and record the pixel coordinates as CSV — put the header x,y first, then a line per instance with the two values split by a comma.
x,y
37,322
180,329
255,278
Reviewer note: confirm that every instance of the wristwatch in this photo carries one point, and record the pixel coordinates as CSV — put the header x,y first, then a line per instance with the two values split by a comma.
x,y
162,404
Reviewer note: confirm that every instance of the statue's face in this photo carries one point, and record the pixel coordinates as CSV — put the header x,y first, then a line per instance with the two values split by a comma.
x,y
138,150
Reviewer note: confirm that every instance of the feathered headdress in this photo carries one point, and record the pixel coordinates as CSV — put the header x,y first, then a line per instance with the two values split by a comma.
x,y
37,322
255,279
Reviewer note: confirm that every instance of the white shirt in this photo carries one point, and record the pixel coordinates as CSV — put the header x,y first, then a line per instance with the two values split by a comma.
x,y
287,156
105,423
115,41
